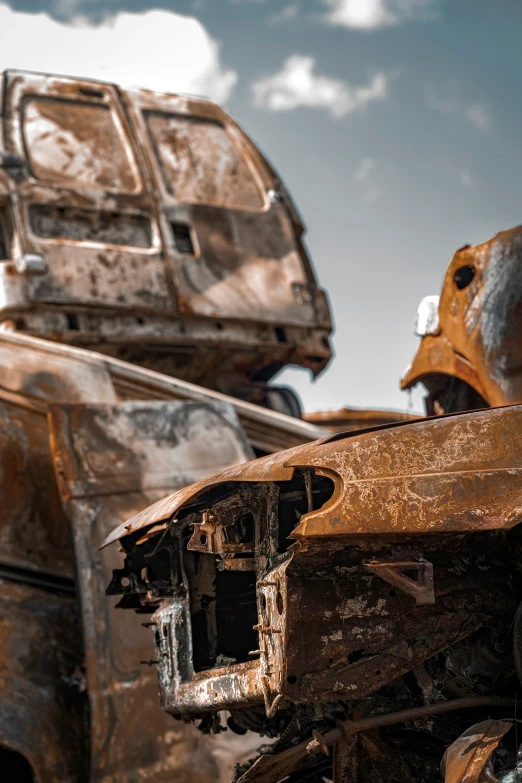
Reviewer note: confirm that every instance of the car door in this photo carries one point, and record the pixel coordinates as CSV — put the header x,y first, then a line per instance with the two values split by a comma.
x,y
236,251
87,218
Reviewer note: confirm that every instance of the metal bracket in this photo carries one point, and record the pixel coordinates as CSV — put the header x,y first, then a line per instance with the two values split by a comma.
x,y
421,589
31,263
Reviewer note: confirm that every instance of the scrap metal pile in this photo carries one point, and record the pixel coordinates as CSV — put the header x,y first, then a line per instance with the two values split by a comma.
x,y
348,604
357,600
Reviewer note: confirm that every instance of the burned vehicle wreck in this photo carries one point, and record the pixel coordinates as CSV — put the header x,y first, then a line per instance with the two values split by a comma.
x,y
150,227
153,280
470,354
355,599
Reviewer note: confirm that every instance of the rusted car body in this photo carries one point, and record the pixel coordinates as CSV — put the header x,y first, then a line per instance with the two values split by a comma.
x,y
73,692
150,227
143,227
470,355
330,594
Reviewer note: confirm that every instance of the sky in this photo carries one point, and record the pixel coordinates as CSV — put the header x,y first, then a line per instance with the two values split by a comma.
x,y
395,125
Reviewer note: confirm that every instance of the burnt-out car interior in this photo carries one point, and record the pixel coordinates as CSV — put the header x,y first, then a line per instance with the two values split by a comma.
x,y
352,600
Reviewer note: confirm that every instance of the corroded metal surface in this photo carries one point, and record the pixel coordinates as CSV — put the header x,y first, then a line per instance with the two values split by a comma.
x,y
392,480
36,556
149,226
35,371
364,570
109,460
477,339
33,530
42,685
468,760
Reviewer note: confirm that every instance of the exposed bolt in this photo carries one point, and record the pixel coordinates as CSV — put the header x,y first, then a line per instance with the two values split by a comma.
x,y
320,742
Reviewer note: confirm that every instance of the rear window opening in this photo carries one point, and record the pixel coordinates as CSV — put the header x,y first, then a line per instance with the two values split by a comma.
x,y
78,144
201,163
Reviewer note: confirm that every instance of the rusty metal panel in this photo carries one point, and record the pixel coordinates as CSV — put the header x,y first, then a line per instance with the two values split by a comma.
x,y
42,686
467,760
437,475
85,172
33,529
35,371
444,474
477,339
111,461
239,256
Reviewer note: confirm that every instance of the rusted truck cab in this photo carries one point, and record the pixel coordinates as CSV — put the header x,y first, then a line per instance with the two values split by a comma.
x,y
150,227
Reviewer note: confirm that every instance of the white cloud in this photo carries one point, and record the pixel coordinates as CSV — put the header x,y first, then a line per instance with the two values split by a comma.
x,y
450,103
478,114
447,103
364,169
370,14
285,14
365,176
466,179
161,50
296,84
